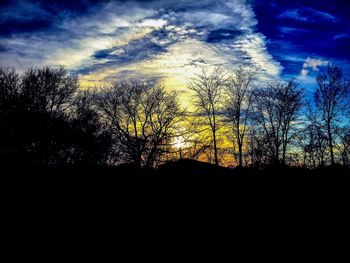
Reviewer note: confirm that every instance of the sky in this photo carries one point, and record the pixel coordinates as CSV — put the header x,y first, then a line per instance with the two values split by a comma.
x,y
168,41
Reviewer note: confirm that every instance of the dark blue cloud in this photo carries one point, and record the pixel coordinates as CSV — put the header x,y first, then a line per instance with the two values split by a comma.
x,y
2,48
137,50
24,16
104,53
134,51
222,34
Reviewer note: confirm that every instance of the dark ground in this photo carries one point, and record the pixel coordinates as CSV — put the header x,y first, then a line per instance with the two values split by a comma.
x,y
183,185
182,169
185,173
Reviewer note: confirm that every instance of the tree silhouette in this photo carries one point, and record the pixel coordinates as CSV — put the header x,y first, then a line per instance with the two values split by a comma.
x,y
315,144
344,145
142,118
208,94
37,122
238,105
277,111
92,143
46,120
332,100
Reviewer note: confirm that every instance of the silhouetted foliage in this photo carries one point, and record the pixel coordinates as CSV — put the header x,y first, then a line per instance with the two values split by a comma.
x,y
37,126
93,142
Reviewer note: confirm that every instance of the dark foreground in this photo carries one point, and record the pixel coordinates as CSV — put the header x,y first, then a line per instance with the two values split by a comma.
x,y
180,180
184,168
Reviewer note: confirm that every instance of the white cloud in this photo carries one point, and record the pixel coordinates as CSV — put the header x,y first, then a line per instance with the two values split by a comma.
x,y
254,46
157,23
185,26
312,64
304,72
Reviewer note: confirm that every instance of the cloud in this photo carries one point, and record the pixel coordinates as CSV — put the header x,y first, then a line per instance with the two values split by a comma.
x,y
255,48
341,36
293,14
321,15
306,14
293,30
163,40
304,72
312,64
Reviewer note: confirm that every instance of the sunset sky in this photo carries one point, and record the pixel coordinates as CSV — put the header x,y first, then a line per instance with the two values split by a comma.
x,y
167,41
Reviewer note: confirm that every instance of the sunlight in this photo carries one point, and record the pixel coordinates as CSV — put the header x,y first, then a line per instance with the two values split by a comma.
x,y
180,143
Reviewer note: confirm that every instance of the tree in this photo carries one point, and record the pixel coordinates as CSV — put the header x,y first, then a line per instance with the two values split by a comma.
x,y
315,144
259,150
207,88
238,105
9,88
313,138
36,127
46,95
277,111
48,90
331,99
9,94
344,145
142,118
92,141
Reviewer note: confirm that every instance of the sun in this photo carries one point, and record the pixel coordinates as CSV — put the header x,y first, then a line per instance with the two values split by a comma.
x,y
179,142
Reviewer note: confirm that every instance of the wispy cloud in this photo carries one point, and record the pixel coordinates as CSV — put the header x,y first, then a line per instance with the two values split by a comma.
x,y
306,14
165,40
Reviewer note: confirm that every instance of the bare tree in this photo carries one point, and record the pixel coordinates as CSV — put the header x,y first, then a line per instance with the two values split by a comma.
x,y
208,94
258,151
313,138
276,111
195,142
9,95
331,99
142,117
9,88
48,90
238,105
344,145
35,124
92,142
314,144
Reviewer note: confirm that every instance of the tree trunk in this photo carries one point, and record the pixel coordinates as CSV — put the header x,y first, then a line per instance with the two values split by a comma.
x,y
216,160
240,155
277,153
330,142
284,150
139,161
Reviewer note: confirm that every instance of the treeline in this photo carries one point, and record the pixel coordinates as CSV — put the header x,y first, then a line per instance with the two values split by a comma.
x,y
272,122
46,119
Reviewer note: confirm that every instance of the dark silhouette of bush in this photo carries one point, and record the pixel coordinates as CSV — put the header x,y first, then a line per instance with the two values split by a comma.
x,y
38,122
